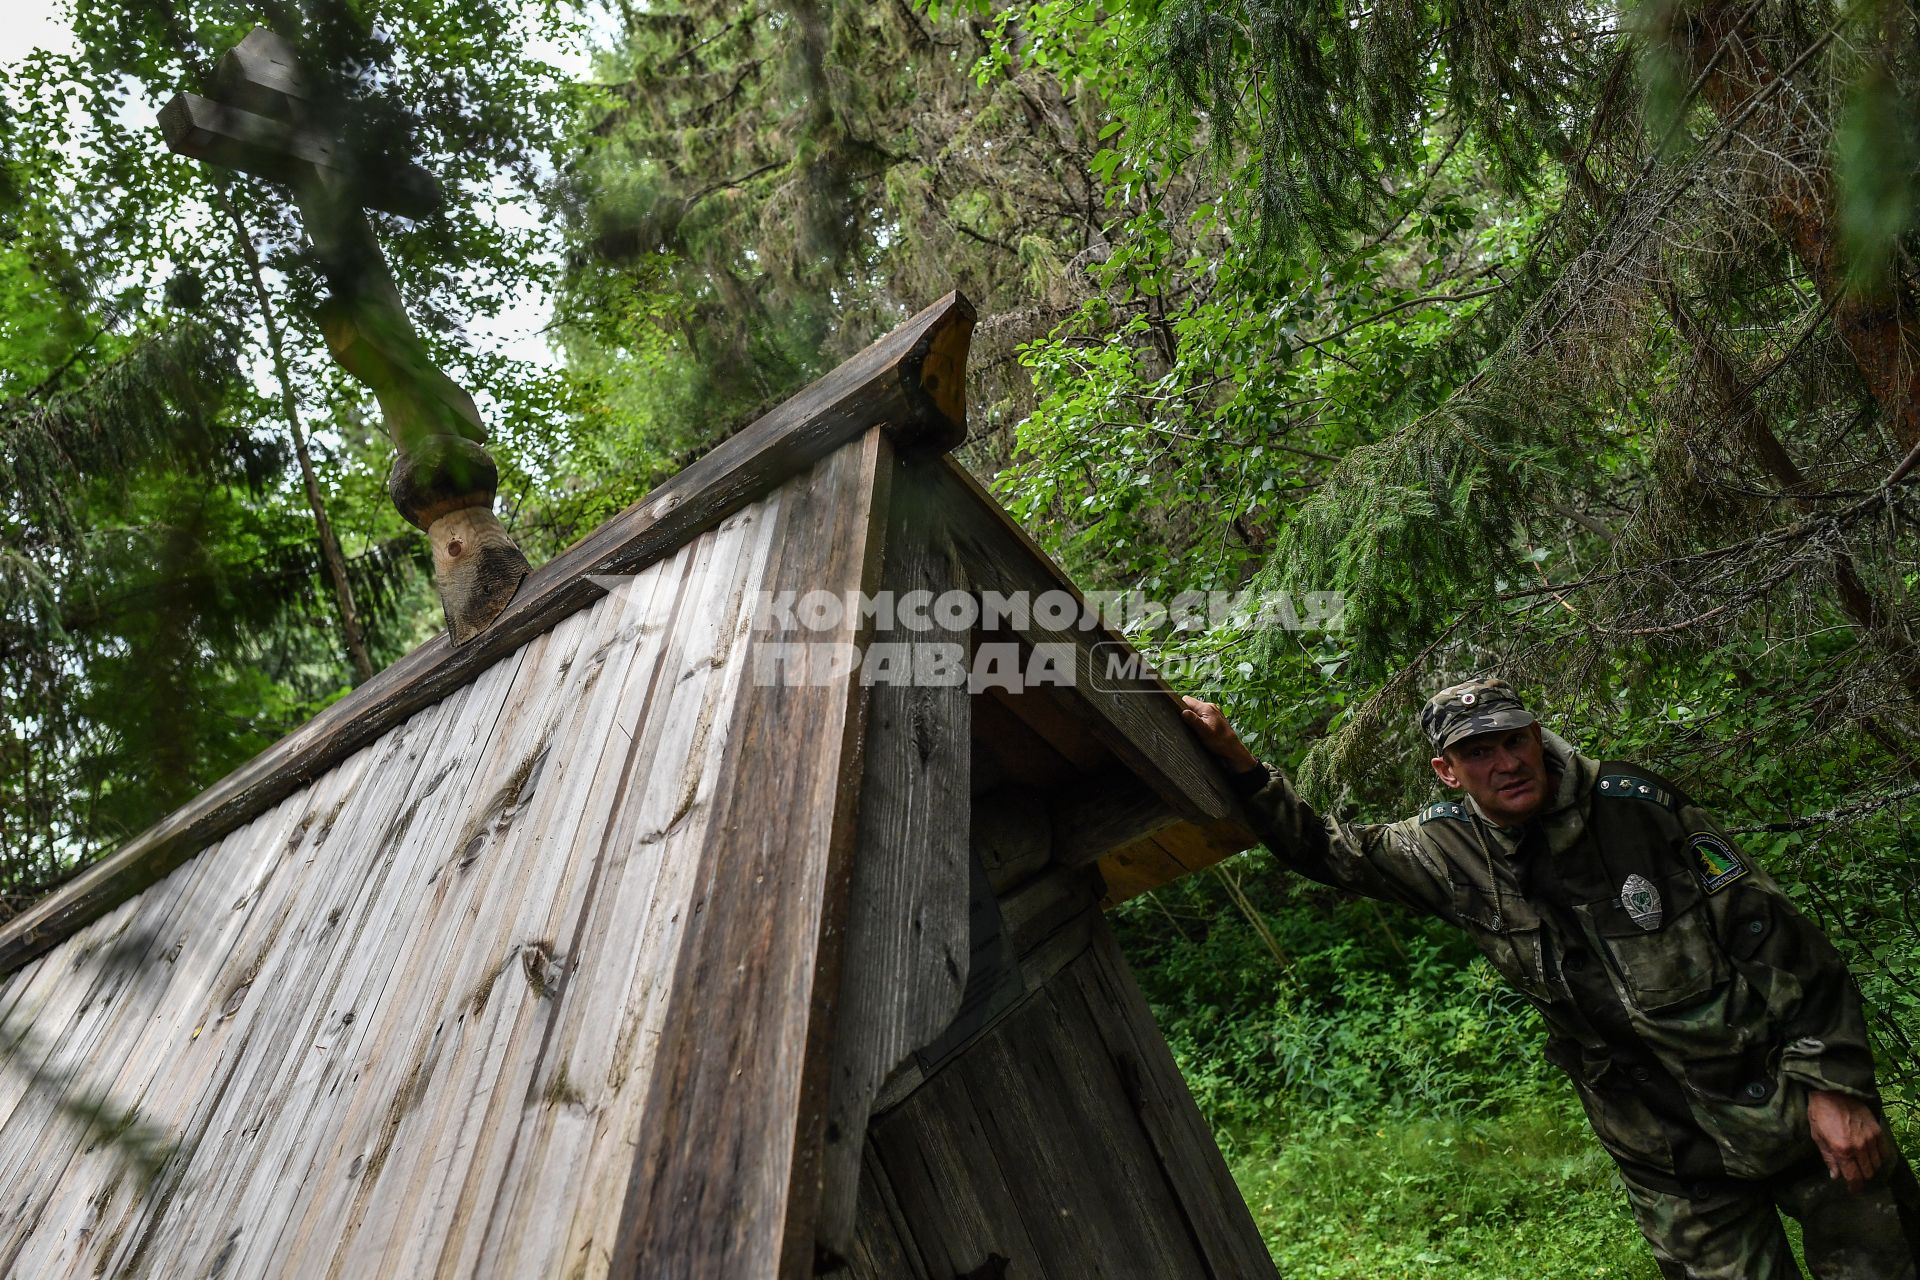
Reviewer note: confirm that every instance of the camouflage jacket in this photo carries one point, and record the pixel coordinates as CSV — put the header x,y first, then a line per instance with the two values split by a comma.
x,y
1692,1017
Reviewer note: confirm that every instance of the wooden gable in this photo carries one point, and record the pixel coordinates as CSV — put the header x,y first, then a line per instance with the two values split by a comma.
x,y
588,949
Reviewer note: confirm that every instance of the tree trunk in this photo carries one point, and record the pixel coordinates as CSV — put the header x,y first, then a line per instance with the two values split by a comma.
x,y
335,562
1878,329
1736,402
1767,451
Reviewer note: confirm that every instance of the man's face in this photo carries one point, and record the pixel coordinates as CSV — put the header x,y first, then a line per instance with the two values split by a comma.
x,y
1504,771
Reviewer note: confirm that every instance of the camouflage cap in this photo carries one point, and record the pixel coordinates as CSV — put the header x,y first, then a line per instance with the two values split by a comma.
x,y
1472,706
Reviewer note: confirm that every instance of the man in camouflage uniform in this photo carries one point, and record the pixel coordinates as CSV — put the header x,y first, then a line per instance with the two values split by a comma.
x,y
1711,1030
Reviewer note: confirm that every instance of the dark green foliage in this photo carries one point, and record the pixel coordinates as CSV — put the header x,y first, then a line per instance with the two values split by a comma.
x,y
154,404
1516,377
1331,96
163,610
762,193
1380,1094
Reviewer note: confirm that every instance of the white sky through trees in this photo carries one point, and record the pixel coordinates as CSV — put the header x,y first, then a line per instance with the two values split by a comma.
x,y
26,25
30,25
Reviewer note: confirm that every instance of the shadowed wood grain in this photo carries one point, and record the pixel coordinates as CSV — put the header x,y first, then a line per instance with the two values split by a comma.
x,y
315,963
905,962
1013,834
1062,1143
133,1072
1220,1223
1081,1172
1099,814
947,1180
883,1246
1136,718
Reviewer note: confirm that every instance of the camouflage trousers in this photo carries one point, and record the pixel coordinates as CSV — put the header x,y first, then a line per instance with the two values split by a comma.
x,y
1738,1235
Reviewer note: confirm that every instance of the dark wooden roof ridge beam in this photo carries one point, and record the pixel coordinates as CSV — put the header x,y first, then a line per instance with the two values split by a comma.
x,y
912,381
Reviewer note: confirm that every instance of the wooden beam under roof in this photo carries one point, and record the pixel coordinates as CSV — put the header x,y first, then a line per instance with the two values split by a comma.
x,y
1137,718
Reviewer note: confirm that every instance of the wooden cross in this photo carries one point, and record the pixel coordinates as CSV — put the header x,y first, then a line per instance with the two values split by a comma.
x,y
265,120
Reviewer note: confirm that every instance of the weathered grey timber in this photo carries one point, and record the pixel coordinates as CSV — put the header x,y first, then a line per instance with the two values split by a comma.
x,y
623,942
901,381
905,962
1105,813
1146,733
1013,834
981,1170
443,481
732,1186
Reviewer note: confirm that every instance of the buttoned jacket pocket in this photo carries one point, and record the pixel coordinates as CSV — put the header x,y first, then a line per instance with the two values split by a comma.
x,y
1668,959
1614,1097
1509,935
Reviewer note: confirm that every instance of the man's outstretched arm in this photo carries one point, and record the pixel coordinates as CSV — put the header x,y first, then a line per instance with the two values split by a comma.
x,y
1380,861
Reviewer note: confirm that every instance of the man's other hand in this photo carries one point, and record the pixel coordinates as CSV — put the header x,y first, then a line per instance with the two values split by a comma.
x,y
1209,724
1851,1138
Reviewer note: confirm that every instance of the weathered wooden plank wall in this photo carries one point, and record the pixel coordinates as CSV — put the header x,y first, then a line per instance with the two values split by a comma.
x,y
1062,1143
406,1022
911,381
905,961
727,1182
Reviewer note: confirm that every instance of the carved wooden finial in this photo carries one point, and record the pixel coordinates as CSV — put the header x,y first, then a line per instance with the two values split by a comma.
x,y
264,122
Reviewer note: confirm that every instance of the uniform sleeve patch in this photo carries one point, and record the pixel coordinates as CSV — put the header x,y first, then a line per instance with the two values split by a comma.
x,y
1444,809
1715,861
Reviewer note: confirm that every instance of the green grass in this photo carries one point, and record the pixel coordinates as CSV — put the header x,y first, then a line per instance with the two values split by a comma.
x,y
1524,1196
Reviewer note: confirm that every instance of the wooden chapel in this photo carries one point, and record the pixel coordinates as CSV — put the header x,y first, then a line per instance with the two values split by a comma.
x,y
590,948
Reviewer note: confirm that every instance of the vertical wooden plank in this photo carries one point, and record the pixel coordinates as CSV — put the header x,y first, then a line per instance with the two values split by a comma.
x,y
725,1181
1181,1140
947,1179
27,991
240,1064
440,941
471,1194
200,1054
905,962
49,1050
993,975
569,1161
100,965
15,985
472,1106
249,1029
138,1077
1080,1173
42,1014
482,948
299,1041
882,1247
78,1106
1068,1121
